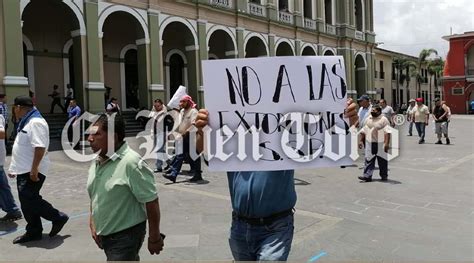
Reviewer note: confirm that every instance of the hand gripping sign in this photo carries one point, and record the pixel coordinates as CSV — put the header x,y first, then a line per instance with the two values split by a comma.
x,y
289,109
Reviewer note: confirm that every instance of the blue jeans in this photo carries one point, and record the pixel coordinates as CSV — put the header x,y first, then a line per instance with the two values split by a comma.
x,y
160,153
7,202
261,242
420,128
410,128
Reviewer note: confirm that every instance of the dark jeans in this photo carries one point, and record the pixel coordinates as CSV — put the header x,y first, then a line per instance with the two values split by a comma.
x,y
420,128
178,160
33,206
124,245
372,156
56,101
7,203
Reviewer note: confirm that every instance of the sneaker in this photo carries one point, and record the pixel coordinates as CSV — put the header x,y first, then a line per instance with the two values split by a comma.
x,y
439,142
58,225
410,134
196,178
448,141
10,217
366,179
158,170
170,177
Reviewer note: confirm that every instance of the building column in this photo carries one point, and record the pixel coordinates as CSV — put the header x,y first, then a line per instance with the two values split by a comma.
x,y
297,47
14,81
271,45
194,71
94,99
350,71
240,42
370,70
299,17
143,83
79,52
156,88
321,27
272,12
203,55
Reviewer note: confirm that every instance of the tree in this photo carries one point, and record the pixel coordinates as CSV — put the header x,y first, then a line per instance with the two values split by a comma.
x,y
422,59
405,69
435,69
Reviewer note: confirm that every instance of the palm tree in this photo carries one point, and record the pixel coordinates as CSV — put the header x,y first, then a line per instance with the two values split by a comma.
x,y
435,68
404,70
424,54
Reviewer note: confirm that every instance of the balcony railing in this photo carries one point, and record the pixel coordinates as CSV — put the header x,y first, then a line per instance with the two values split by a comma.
x,y
330,29
359,35
257,10
221,3
285,17
310,23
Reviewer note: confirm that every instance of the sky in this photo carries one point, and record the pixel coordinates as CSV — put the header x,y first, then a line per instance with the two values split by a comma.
x,y
408,26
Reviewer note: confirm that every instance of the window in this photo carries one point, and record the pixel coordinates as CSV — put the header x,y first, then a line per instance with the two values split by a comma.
x,y
283,5
308,9
382,93
458,91
328,11
393,72
359,15
382,73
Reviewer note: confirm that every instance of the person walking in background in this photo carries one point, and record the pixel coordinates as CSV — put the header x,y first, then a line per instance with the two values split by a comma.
x,y
375,133
7,202
409,114
421,115
163,123
122,195
107,96
4,109
188,117
73,112
440,116
364,110
55,95
30,164
69,95
387,111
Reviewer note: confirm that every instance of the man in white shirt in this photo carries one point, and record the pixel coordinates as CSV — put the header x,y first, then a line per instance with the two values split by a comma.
x,y
421,115
189,114
7,202
364,110
163,123
387,111
375,133
412,103
29,164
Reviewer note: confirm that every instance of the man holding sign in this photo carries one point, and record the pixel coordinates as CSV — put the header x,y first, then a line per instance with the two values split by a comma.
x,y
262,191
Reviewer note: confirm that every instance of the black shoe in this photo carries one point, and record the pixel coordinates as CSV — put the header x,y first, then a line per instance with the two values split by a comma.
x,y
421,141
10,217
384,178
58,225
171,178
158,170
410,134
27,238
168,171
367,179
439,142
448,141
196,178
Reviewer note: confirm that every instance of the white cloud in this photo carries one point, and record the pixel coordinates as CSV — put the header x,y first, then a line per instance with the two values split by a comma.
x,y
410,26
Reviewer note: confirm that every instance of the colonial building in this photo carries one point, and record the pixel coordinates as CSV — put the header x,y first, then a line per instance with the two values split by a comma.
x,y
458,75
144,49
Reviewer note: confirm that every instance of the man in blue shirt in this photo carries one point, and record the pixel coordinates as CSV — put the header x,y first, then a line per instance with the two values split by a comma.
x,y
364,110
73,112
262,206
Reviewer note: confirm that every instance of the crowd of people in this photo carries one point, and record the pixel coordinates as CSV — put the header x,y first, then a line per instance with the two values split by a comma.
x,y
121,186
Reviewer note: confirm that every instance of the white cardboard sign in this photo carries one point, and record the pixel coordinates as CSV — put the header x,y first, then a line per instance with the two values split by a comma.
x,y
257,94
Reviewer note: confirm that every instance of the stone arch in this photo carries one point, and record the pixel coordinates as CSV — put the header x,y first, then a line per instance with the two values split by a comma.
x,y
258,35
75,8
30,62
329,51
168,70
185,22
117,8
66,74
214,28
362,56
309,46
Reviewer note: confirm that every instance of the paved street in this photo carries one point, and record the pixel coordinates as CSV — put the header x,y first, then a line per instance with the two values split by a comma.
x,y
424,212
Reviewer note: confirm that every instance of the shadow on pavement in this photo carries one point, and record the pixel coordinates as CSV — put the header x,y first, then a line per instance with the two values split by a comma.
x,y
47,242
8,226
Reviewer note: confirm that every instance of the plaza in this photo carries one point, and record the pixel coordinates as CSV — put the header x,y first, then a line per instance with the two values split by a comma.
x,y
425,212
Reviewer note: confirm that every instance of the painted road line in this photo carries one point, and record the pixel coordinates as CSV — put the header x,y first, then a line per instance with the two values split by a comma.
x,y
318,256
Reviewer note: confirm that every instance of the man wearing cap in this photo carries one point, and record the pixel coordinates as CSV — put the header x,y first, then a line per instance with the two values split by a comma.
x,y
364,110
113,106
30,164
188,117
412,103
421,115
440,116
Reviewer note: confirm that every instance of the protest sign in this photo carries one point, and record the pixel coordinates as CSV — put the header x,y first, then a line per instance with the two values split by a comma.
x,y
276,113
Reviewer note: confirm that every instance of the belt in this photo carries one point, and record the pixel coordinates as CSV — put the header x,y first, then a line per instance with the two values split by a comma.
x,y
263,220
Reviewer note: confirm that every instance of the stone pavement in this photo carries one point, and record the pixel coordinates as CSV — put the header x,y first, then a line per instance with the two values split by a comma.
x,y
424,212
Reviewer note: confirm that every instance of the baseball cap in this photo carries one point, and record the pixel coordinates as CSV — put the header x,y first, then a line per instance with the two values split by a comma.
x,y
419,99
363,97
23,101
